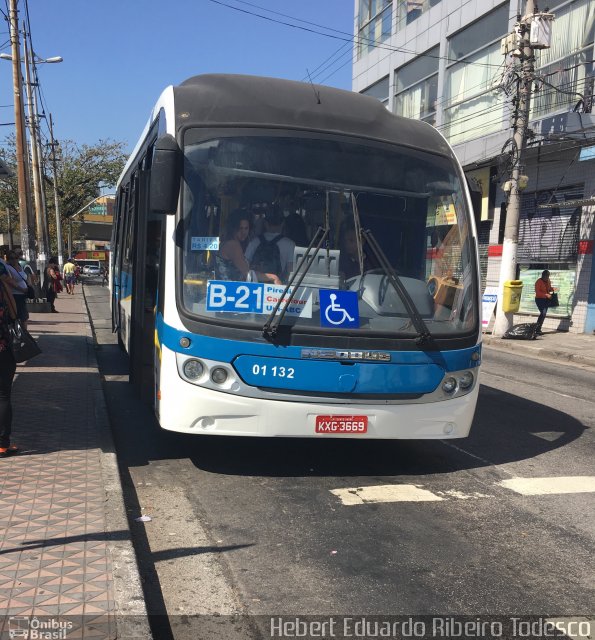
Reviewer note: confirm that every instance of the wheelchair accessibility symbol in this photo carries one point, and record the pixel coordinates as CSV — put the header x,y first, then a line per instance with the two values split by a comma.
x,y
338,308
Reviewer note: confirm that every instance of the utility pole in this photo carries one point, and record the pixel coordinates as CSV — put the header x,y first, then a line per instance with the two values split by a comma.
x,y
40,214
53,145
9,229
508,266
24,190
35,84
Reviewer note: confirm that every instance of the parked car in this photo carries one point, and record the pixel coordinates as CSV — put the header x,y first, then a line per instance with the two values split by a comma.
x,y
92,270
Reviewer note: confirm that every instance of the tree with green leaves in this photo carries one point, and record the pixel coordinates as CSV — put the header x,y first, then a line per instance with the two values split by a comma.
x,y
83,170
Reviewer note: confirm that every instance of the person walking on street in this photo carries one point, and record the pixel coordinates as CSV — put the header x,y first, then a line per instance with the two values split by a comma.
x,y
52,285
69,276
543,295
8,366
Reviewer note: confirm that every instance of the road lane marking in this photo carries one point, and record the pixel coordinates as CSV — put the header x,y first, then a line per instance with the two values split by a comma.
x,y
489,463
532,384
385,493
550,486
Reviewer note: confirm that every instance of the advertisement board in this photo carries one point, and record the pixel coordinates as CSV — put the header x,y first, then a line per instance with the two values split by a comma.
x,y
563,281
488,304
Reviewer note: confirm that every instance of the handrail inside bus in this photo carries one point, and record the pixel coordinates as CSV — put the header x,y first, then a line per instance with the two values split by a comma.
x,y
340,186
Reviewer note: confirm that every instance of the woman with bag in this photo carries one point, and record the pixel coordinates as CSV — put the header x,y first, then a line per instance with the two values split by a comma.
x,y
7,364
52,286
543,294
20,289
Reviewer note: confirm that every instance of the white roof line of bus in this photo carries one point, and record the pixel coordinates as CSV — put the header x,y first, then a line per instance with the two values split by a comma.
x,y
165,99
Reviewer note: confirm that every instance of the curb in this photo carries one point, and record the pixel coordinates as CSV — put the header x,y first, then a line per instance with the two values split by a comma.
x,y
131,616
543,353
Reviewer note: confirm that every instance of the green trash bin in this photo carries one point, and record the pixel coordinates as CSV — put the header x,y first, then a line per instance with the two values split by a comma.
x,y
511,300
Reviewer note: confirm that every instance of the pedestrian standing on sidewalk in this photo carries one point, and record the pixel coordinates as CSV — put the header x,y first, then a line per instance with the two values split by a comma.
x,y
8,366
543,295
19,286
52,285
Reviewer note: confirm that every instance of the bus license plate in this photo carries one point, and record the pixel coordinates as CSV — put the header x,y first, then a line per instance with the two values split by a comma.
x,y
341,424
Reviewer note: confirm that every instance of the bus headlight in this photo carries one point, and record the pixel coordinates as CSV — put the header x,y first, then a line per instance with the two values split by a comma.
x,y
449,385
466,380
193,369
219,375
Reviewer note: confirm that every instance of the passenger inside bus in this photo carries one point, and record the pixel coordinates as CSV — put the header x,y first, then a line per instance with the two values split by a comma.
x,y
271,252
230,262
294,228
349,265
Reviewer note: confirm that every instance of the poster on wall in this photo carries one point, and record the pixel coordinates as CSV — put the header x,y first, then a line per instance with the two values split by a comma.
x,y
563,281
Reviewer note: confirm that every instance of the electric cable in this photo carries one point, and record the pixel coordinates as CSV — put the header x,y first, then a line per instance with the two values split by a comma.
x,y
346,36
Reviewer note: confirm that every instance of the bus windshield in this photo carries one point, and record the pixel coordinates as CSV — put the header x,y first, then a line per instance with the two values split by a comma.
x,y
346,216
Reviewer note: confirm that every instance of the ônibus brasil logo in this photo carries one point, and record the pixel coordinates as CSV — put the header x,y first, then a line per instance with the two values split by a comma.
x,y
35,629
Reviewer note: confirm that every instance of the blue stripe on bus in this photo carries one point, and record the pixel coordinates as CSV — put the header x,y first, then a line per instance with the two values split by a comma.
x,y
336,377
224,350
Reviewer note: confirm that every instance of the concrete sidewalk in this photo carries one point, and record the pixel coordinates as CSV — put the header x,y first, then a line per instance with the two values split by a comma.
x,y
66,559
578,348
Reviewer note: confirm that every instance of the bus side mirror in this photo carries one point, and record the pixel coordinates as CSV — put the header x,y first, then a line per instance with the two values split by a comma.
x,y
166,172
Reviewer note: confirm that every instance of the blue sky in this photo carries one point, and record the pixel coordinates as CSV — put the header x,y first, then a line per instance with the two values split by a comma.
x,y
120,54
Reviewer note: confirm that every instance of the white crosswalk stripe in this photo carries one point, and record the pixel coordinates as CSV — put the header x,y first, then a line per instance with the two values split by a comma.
x,y
385,493
550,486
351,496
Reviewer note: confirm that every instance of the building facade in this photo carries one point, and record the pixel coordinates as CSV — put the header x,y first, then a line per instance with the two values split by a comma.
x,y
95,226
445,62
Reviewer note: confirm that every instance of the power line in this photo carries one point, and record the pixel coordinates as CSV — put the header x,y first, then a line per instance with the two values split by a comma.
x,y
314,73
347,37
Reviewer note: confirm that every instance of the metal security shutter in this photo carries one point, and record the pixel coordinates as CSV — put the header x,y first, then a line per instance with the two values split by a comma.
x,y
549,235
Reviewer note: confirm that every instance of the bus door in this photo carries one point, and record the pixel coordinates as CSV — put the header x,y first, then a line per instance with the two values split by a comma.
x,y
148,243
116,266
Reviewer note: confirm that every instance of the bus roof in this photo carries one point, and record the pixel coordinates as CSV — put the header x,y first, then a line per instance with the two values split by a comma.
x,y
240,100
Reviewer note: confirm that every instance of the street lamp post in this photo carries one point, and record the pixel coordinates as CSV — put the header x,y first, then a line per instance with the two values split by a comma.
x,y
35,60
42,247
53,145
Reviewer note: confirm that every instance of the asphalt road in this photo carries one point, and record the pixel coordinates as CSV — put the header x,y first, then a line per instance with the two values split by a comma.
x,y
296,527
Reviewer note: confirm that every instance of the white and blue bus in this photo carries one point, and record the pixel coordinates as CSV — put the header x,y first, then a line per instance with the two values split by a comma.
x,y
293,260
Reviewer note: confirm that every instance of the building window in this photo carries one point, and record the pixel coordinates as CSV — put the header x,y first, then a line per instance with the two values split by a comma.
x,y
410,10
375,24
472,108
416,87
378,90
566,68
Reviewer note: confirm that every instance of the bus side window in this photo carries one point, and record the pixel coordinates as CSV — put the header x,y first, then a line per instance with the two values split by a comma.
x,y
128,249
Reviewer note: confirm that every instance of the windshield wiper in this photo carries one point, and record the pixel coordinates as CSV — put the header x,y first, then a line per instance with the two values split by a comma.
x,y
423,333
273,321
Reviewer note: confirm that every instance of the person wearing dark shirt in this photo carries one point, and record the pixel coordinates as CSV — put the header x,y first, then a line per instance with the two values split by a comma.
x,y
7,366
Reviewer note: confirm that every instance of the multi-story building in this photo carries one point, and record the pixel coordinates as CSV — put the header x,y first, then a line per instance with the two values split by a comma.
x,y
95,227
443,61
